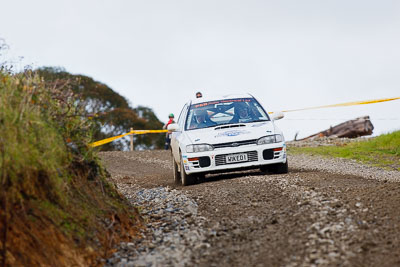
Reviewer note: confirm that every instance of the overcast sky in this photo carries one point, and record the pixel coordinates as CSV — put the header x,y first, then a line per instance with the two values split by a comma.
x,y
158,53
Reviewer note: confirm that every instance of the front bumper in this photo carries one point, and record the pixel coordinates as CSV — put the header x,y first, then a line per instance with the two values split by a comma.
x,y
214,161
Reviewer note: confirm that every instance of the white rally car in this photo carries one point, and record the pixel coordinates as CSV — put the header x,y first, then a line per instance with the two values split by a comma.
x,y
223,134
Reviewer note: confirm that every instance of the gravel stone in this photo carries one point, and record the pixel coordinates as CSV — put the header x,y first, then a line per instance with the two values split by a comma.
x,y
171,235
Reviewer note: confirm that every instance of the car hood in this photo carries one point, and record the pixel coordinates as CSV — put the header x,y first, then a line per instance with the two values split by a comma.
x,y
217,135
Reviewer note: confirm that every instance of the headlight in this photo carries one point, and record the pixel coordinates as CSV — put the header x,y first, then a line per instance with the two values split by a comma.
x,y
199,148
276,138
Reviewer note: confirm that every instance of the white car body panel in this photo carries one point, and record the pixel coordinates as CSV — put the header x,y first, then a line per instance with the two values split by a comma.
x,y
247,131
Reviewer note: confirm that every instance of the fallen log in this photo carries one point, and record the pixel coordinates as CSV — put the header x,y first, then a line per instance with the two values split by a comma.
x,y
351,129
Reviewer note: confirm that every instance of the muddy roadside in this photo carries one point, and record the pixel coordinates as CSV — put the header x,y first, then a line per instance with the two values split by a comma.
x,y
316,214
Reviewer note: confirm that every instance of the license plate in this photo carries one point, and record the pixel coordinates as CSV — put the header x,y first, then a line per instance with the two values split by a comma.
x,y
236,158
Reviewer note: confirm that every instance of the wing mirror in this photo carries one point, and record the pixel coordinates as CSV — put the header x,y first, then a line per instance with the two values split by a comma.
x,y
277,115
173,127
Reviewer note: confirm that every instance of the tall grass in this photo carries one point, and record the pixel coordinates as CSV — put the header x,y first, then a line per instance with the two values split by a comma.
x,y
51,181
31,149
39,126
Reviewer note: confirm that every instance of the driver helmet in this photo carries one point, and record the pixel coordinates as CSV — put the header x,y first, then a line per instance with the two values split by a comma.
x,y
242,111
171,115
200,115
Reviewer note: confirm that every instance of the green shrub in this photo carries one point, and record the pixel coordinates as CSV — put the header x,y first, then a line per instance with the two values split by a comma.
x,y
41,132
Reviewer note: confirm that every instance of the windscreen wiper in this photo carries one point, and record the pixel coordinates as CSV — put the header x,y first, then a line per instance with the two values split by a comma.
x,y
227,123
258,120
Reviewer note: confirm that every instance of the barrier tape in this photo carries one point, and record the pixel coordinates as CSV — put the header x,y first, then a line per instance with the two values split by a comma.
x,y
108,140
347,104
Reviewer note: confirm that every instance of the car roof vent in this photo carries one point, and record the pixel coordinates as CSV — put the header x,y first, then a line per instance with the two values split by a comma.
x,y
230,126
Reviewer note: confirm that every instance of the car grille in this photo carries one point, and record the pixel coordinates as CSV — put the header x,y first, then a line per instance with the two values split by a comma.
x,y
235,144
221,159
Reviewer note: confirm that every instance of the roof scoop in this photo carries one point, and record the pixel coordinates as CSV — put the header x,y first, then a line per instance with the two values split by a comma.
x,y
230,126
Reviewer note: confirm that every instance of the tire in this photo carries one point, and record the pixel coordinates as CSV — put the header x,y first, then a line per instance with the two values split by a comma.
x,y
201,177
264,168
186,179
177,175
280,168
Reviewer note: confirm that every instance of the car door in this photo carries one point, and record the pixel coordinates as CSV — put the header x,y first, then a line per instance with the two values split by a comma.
x,y
177,136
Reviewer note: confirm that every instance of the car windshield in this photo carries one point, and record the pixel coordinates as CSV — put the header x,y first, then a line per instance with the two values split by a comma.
x,y
226,111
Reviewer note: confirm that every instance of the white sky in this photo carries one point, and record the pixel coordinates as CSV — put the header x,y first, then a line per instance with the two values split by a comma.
x,y
157,53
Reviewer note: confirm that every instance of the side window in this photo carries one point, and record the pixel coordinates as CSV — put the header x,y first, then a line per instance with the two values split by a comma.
x,y
259,111
181,118
189,118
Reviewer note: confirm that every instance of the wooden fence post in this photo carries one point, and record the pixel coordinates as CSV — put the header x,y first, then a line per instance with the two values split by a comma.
x,y
131,135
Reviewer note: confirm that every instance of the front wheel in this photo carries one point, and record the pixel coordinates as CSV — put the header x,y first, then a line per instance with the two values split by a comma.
x,y
280,168
201,177
186,179
177,175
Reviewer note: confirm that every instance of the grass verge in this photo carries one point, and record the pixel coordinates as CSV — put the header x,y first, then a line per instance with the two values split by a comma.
x,y
382,151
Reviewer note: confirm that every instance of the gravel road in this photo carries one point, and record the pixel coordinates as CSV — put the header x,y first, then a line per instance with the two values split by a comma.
x,y
324,212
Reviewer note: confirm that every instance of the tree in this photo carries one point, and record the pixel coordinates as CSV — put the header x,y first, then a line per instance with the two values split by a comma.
x,y
111,111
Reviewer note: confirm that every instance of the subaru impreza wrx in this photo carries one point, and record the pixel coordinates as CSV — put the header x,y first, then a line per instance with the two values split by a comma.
x,y
226,133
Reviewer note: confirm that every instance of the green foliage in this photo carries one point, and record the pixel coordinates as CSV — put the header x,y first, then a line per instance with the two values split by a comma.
x,y
42,134
383,150
110,111
32,150
49,177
